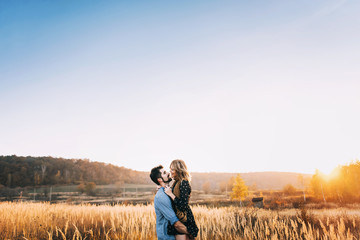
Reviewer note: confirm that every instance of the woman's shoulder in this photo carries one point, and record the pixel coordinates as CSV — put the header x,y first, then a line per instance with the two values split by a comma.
x,y
185,183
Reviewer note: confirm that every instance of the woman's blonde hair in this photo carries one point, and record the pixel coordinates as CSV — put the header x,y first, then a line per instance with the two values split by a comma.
x,y
181,170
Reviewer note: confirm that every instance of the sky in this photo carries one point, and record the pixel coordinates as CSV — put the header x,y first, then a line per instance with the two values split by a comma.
x,y
227,86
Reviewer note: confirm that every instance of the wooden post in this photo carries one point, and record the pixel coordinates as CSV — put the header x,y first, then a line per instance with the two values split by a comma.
x,y
50,192
323,193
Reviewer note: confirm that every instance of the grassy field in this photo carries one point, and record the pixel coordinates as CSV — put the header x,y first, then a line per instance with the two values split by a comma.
x,y
62,221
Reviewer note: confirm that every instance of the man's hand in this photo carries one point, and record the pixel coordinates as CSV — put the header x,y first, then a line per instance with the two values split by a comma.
x,y
180,227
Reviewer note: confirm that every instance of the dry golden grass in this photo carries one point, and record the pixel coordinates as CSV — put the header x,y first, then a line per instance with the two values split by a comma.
x,y
61,221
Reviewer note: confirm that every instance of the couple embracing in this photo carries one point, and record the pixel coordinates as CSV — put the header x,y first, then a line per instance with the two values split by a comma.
x,y
174,218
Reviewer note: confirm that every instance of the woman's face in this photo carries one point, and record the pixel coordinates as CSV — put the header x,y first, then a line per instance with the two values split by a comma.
x,y
172,173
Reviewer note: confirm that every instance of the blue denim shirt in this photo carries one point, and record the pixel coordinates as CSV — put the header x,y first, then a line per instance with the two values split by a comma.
x,y
164,213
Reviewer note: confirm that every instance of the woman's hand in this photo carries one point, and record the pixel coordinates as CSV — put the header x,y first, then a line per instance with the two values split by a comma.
x,y
169,192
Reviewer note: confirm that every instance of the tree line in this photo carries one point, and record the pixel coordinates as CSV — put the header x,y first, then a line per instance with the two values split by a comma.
x,y
342,185
16,171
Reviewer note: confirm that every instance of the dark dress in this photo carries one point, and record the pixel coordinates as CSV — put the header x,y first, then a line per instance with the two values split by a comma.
x,y
182,204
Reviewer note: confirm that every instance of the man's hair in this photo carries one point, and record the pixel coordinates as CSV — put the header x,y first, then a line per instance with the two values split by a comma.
x,y
155,174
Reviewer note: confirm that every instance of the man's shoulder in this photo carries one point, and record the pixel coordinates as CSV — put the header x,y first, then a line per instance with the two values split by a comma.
x,y
159,194
161,197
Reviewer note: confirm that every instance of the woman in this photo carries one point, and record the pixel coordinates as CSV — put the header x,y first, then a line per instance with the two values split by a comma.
x,y
180,195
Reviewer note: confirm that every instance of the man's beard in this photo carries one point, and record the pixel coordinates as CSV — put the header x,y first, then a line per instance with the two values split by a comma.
x,y
169,180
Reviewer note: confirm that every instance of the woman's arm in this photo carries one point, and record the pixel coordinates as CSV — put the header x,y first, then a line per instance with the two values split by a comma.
x,y
169,192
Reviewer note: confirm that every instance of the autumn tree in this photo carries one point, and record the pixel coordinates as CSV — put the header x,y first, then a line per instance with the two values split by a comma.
x,y
90,188
226,186
43,171
289,189
206,187
81,188
239,190
317,184
230,183
303,182
222,186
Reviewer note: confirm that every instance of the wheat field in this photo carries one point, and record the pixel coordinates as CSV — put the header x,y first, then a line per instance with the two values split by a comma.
x,y
64,221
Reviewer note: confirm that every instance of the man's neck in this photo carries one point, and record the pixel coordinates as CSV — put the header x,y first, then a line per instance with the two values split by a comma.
x,y
162,184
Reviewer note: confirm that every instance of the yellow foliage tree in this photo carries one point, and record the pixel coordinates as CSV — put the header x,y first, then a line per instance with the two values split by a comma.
x,y
289,189
206,187
239,190
318,184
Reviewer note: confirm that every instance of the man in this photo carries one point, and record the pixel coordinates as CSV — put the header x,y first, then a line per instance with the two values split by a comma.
x,y
163,209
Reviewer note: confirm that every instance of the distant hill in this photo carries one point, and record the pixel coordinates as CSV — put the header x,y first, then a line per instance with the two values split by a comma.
x,y
16,171
260,180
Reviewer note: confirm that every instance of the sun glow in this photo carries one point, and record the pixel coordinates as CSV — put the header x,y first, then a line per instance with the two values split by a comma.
x,y
332,174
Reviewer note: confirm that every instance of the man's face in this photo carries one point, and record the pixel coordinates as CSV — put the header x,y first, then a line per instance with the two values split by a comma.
x,y
165,176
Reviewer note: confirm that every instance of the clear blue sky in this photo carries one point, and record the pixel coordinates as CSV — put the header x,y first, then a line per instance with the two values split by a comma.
x,y
232,86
